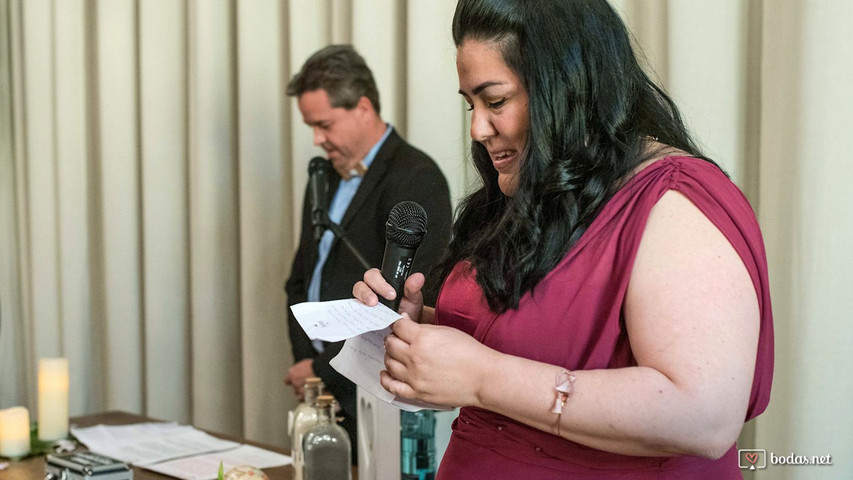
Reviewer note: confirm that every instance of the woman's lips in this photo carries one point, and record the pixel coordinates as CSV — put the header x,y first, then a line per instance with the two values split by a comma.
x,y
503,159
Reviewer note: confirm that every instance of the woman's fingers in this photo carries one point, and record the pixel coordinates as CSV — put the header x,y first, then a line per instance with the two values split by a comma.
x,y
395,346
366,291
395,386
405,329
364,294
414,284
373,284
396,368
374,279
396,357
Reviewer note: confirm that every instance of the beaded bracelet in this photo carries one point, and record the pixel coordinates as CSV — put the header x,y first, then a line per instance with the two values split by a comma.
x,y
564,382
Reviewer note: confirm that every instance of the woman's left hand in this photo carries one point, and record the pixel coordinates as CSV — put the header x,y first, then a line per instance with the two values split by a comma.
x,y
436,364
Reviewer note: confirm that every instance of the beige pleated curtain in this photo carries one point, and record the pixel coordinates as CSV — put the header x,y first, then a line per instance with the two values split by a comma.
x,y
152,173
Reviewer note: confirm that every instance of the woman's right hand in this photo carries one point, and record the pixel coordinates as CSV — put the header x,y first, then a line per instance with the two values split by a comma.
x,y
374,284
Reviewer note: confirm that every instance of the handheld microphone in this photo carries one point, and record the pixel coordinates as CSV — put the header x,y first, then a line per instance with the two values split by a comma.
x,y
318,171
404,231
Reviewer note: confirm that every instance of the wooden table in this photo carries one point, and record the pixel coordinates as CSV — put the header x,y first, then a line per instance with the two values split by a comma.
x,y
33,468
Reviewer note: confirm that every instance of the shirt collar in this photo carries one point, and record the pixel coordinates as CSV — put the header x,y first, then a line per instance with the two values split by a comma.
x,y
361,167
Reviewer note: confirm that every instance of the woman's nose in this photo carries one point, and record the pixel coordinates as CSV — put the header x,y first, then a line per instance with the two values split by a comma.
x,y
481,126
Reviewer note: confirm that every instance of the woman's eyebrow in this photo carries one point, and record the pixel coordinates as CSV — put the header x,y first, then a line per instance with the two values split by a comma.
x,y
479,88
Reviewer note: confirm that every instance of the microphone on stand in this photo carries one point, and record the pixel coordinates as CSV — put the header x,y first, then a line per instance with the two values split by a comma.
x,y
318,187
404,232
318,172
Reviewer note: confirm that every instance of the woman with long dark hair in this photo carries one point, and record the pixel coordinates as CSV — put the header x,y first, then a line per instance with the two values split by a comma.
x,y
605,309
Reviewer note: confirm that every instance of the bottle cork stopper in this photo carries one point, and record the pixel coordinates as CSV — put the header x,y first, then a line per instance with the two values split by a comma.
x,y
325,400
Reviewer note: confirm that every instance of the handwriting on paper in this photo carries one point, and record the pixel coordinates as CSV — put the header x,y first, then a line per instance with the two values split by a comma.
x,y
341,319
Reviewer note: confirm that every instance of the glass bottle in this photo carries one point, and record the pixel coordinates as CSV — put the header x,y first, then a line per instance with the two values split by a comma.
x,y
417,445
326,446
304,417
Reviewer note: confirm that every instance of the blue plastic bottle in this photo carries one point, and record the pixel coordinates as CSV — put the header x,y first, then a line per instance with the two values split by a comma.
x,y
417,445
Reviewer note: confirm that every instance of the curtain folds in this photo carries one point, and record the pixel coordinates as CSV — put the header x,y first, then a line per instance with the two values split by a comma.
x,y
152,173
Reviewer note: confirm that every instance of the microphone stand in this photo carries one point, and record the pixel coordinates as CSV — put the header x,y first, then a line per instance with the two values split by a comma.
x,y
340,233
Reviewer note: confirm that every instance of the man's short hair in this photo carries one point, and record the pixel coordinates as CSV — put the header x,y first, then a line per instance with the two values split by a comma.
x,y
341,72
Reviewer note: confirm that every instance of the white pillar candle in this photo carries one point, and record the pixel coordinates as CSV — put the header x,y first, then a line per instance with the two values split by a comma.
x,y
14,432
53,399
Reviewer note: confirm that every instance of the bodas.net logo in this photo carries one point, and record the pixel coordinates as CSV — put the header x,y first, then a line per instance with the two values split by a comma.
x,y
752,458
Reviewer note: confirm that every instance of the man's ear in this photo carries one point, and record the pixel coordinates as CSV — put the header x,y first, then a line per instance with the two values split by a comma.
x,y
364,105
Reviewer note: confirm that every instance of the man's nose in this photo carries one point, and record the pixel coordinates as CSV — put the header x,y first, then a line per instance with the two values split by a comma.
x,y
319,136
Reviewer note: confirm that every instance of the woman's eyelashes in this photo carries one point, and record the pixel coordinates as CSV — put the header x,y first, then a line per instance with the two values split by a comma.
x,y
492,105
498,104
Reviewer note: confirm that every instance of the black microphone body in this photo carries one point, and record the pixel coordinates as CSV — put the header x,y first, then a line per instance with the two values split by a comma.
x,y
318,172
396,265
404,232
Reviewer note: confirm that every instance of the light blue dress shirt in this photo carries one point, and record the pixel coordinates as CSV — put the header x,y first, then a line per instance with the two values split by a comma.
x,y
340,203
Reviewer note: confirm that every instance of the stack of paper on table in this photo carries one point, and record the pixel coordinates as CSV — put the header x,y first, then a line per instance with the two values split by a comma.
x,y
180,451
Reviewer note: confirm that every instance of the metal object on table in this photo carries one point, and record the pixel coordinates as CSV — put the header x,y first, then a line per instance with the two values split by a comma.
x,y
85,466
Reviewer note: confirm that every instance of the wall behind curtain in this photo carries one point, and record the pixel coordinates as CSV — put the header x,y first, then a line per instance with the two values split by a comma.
x,y
806,171
152,172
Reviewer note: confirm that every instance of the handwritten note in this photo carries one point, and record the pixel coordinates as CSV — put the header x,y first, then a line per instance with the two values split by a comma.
x,y
363,354
362,358
341,319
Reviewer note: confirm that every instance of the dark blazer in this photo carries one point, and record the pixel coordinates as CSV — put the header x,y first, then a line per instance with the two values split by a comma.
x,y
398,172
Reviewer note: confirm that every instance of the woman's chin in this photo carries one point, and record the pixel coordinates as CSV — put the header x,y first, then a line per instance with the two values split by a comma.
x,y
507,183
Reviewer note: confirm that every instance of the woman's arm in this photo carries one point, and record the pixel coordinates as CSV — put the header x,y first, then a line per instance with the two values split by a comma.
x,y
692,319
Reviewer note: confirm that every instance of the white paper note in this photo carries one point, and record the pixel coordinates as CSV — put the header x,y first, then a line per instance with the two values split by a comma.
x,y
341,319
363,354
362,358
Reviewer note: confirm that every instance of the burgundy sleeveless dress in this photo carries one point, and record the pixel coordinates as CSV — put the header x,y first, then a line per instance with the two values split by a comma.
x,y
575,320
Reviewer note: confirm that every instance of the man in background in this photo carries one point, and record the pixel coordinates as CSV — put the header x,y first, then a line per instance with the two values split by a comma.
x,y
374,170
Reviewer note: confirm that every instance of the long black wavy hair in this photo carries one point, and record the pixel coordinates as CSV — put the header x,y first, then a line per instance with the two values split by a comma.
x,y
592,113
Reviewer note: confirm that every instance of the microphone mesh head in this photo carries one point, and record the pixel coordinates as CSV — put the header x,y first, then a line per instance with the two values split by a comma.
x,y
406,225
318,164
